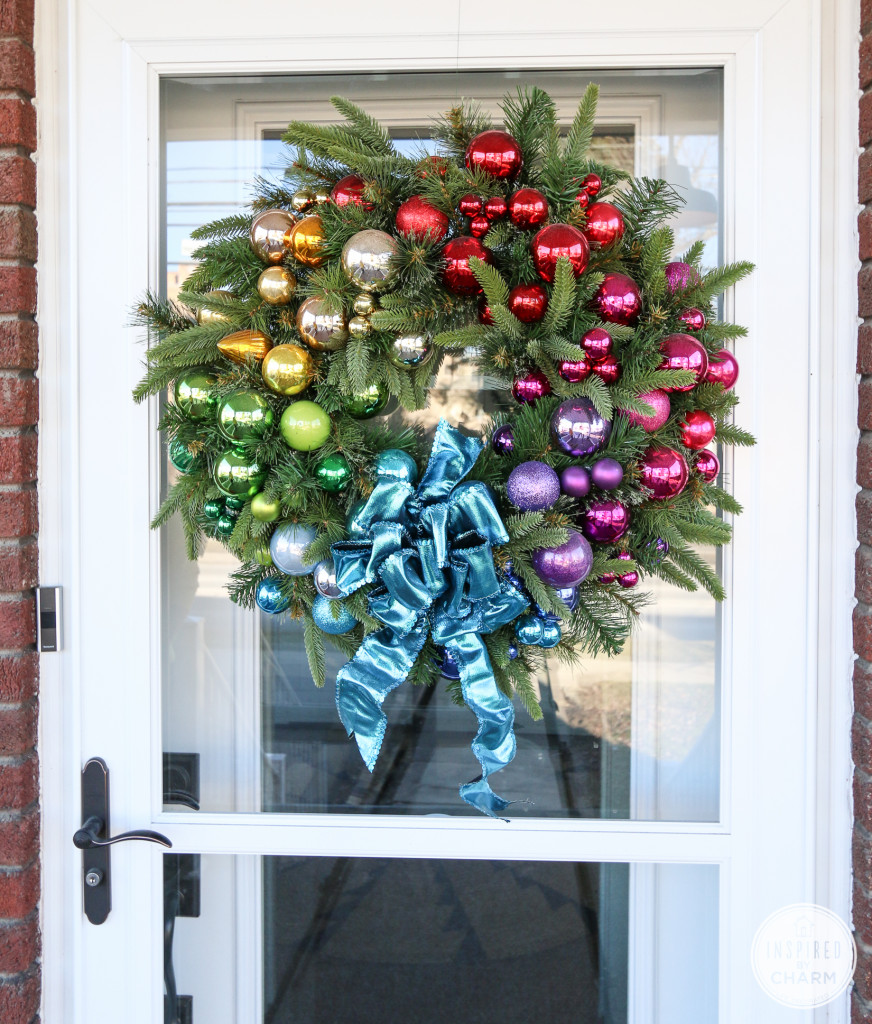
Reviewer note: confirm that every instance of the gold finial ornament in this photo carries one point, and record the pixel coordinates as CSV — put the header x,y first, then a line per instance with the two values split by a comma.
x,y
306,241
245,345
288,369
269,234
276,286
302,200
320,328
205,317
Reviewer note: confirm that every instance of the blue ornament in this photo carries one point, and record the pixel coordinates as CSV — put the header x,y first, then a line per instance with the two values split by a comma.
x,y
659,549
569,596
447,665
287,545
503,439
269,597
533,486
394,464
513,652
322,613
551,634
529,629
355,530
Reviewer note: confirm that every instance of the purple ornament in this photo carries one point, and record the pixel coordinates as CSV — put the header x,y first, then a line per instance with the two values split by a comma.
x,y
649,422
659,549
608,577
628,579
447,665
533,486
679,276
575,481
569,596
578,428
503,439
566,565
606,521
607,473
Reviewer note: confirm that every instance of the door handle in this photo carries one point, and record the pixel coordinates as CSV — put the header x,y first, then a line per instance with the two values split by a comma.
x,y
88,836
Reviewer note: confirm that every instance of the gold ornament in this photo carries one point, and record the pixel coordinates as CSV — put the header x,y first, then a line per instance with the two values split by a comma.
x,y
212,316
245,345
288,369
269,234
276,285
322,196
366,258
410,351
358,326
306,241
364,304
319,328
302,200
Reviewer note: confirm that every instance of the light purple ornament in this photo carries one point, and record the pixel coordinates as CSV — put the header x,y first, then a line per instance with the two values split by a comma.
x,y
679,276
575,481
607,473
649,422
578,428
503,439
566,565
533,486
606,521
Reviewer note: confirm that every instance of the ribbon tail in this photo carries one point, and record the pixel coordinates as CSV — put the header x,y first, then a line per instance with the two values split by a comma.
x,y
494,743
381,663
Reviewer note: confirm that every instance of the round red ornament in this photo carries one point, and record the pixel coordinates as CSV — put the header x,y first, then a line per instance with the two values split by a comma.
x,y
663,472
458,276
697,429
496,153
528,208
707,466
479,226
693,319
350,190
681,352
722,369
495,208
608,370
528,302
470,205
605,224
484,312
555,242
583,199
432,163
618,300
417,217
573,371
592,183
531,387
597,344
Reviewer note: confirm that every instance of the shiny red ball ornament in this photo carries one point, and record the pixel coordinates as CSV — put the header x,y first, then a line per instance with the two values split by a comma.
x,y
722,369
697,429
663,472
496,153
693,319
495,208
707,466
350,190
528,208
605,224
608,370
417,217
618,299
430,164
470,205
479,226
591,183
573,371
597,344
556,242
528,302
531,387
458,276
583,199
682,352
484,312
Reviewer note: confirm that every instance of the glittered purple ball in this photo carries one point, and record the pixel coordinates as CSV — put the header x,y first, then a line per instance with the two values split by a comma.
x,y
607,473
606,521
503,439
533,486
679,276
566,565
578,428
575,481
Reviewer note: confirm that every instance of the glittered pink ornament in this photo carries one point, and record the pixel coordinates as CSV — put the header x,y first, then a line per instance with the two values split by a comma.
x,y
682,352
608,370
697,429
573,371
618,299
680,276
649,422
597,344
707,466
693,319
722,369
663,472
531,387
606,521
604,225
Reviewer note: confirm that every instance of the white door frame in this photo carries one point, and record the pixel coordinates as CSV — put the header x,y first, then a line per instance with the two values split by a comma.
x,y
790,147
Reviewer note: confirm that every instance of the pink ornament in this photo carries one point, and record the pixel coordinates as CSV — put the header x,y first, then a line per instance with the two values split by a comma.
x,y
606,521
697,429
496,153
574,372
722,369
707,466
607,473
693,319
597,344
528,208
495,208
682,352
528,302
470,204
417,217
531,387
663,473
458,276
618,300
628,579
680,276
604,225
559,241
649,422
608,370
608,577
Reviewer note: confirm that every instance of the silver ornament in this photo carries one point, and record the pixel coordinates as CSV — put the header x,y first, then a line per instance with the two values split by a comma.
x,y
286,548
324,578
410,351
319,328
366,259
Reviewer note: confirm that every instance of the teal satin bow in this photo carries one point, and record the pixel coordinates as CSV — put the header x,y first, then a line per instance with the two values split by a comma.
x,y
430,552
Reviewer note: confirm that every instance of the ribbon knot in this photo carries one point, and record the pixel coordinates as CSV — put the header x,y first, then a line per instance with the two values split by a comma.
x,y
430,553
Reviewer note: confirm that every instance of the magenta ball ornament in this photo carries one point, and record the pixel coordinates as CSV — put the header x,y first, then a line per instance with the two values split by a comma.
x,y
607,473
533,486
722,369
663,472
693,319
531,387
566,565
606,521
649,422
697,429
608,371
503,439
618,299
682,352
573,370
578,428
597,344
628,579
707,466
575,481
680,276
496,153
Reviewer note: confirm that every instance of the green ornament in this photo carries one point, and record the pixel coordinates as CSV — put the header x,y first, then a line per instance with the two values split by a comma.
x,y
234,505
333,473
244,416
224,526
213,508
193,394
264,509
305,426
181,456
367,403
262,555
238,475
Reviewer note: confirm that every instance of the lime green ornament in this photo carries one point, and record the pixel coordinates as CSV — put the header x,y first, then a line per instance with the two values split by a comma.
x,y
244,416
367,403
238,475
193,394
213,508
181,456
305,426
264,509
262,555
333,473
224,526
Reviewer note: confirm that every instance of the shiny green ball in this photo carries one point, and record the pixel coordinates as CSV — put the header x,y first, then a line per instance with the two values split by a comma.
x,y
181,456
234,505
193,394
213,508
333,473
244,416
551,634
367,403
264,509
224,526
529,629
394,464
355,530
305,426
238,475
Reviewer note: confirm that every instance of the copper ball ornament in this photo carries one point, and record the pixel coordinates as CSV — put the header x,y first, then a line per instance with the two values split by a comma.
x,y
528,302
349,190
418,217
722,369
288,369
555,242
409,351
604,225
205,317
366,259
697,429
528,208
306,241
531,387
707,466
242,346
683,352
458,276
618,300
320,327
663,473
276,286
269,234
496,153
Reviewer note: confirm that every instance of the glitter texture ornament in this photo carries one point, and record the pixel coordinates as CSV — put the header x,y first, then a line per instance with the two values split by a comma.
x,y
533,486
573,370
368,403
264,509
529,629
722,369
559,241
193,396
458,276
238,475
680,276
287,369
409,351
333,473
269,234
496,153
324,578
663,472
697,429
503,439
604,224
693,319
305,426
707,466
606,521
528,208
332,617
418,217
531,387
269,597
286,548
618,299
395,464
306,241
651,421
349,190
528,302
596,344
575,481
578,428
320,327
366,259
682,352
243,346
244,415
566,565
607,473
276,286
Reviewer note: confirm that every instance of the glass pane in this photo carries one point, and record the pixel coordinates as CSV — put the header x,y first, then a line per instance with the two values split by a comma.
x,y
637,736
293,940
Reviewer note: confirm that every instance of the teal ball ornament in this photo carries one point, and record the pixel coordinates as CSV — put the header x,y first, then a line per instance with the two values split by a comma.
x,y
333,473
213,508
269,597
181,456
355,530
551,633
193,394
287,545
244,416
367,403
394,464
323,615
529,630
238,475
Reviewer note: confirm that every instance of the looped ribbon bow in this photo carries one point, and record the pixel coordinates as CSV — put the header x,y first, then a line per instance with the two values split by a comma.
x,y
430,552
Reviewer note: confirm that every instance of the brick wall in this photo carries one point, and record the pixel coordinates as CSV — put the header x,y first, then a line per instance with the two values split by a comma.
x,y
19,811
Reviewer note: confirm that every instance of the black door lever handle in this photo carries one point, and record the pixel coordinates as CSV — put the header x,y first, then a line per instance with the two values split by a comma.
x,y
87,837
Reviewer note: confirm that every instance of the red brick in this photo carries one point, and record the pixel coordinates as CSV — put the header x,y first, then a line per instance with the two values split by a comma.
x,y
865,62
19,892
16,19
864,227
862,574
861,742
19,999
862,690
18,784
19,840
19,946
17,730
863,799
17,66
18,459
18,234
19,677
18,344
863,634
18,567
860,1014
18,513
864,461
862,919
865,119
18,123
864,349
19,401
17,290
18,625
17,180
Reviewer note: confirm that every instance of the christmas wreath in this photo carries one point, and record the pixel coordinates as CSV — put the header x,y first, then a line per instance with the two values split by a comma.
x,y
341,291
